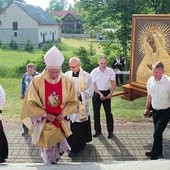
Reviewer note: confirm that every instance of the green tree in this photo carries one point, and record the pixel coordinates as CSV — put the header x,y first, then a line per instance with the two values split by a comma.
x,y
1,5
57,5
94,12
159,6
82,53
122,11
91,12
7,2
10,1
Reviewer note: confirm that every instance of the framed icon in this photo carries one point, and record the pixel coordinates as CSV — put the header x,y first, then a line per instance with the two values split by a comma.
x,y
150,43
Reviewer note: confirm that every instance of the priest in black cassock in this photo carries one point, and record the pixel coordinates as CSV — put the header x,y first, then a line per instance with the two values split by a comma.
x,y
80,119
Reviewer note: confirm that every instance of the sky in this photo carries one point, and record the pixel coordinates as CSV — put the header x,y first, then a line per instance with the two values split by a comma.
x,y
43,3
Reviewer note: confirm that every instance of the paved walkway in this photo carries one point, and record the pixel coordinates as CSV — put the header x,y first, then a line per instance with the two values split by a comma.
x,y
130,142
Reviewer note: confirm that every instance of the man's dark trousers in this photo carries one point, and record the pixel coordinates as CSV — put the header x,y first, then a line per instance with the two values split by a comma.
x,y
107,108
160,119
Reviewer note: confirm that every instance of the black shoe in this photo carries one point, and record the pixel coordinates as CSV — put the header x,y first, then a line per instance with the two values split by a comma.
x,y
53,163
71,154
96,134
2,161
150,154
154,157
110,135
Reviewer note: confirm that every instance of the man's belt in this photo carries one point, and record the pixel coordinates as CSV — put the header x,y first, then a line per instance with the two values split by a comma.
x,y
161,110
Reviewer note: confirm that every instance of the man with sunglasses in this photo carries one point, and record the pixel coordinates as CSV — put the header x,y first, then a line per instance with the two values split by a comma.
x,y
80,119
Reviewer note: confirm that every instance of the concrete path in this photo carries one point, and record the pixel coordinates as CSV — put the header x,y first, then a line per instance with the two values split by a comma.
x,y
126,150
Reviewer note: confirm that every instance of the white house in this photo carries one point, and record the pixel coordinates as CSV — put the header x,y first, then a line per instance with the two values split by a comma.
x,y
22,22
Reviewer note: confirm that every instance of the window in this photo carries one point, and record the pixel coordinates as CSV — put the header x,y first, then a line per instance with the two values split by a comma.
x,y
0,22
15,34
15,25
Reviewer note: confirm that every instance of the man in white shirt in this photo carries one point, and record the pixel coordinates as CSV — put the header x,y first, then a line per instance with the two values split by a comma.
x,y
158,89
103,78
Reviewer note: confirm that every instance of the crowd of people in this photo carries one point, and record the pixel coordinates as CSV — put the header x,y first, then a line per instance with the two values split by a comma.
x,y
56,105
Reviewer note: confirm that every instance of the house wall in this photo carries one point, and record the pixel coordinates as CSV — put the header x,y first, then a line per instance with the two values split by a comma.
x,y
23,35
27,26
49,33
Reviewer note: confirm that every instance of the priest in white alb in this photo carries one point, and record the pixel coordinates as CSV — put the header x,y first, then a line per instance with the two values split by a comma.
x,y
80,119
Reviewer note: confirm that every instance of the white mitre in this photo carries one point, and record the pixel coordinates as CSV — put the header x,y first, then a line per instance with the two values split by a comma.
x,y
53,58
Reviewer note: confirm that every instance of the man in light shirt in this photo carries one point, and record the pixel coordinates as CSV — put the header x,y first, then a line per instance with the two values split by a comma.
x,y
158,89
103,78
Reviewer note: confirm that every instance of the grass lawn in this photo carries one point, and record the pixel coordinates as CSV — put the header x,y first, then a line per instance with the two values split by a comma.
x,y
85,42
13,104
11,58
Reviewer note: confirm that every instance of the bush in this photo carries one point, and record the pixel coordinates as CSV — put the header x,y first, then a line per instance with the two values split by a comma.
x,y
46,47
29,46
13,45
1,44
92,50
40,65
82,53
65,64
61,46
4,47
22,68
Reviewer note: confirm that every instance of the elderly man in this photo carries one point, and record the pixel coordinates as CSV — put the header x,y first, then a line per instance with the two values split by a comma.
x,y
158,88
80,119
50,97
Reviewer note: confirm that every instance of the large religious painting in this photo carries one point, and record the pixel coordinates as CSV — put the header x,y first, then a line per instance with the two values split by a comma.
x,y
150,43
